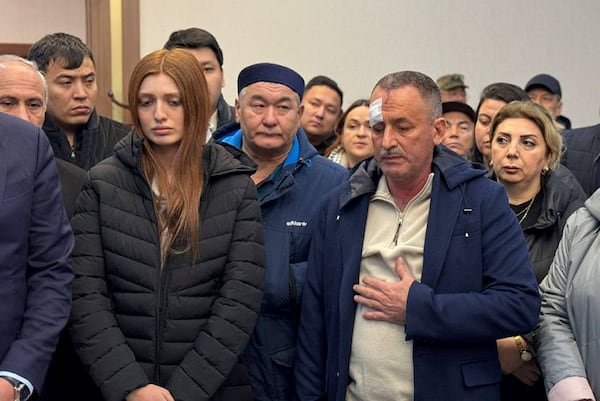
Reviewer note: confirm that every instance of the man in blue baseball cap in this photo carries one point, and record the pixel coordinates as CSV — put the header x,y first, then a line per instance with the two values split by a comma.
x,y
291,179
545,90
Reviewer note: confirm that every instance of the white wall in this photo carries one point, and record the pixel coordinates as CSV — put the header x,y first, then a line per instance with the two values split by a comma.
x,y
26,21
356,42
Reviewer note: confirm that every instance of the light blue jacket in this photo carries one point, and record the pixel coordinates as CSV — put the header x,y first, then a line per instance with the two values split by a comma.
x,y
568,333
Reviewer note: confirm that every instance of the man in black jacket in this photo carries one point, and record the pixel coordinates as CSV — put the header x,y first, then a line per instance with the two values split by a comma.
x,y
205,48
76,132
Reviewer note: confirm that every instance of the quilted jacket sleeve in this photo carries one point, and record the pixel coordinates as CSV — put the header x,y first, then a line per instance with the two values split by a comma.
x,y
96,336
233,315
558,353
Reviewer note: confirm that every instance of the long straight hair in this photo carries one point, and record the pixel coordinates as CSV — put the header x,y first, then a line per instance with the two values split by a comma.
x,y
183,191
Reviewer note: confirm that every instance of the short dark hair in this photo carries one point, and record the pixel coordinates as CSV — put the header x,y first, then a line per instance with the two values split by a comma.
x,y
195,38
59,46
322,80
428,89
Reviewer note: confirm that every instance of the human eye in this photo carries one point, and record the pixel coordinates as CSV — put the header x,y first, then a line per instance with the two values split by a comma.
x,y
484,120
90,79
65,81
464,127
378,128
174,102
529,143
258,107
35,104
502,140
331,110
145,102
314,103
208,69
7,102
403,128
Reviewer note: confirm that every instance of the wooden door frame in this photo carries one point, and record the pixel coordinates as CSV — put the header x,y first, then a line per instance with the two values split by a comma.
x,y
98,30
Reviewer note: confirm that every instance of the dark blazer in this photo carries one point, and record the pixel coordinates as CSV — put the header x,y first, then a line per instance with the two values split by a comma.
x,y
582,156
477,285
66,379
225,113
35,244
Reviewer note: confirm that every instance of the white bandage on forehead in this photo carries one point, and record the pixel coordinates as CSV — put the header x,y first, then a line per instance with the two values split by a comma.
x,y
375,115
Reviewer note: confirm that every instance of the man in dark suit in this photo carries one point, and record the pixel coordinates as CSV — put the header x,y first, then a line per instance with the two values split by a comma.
x,y
35,244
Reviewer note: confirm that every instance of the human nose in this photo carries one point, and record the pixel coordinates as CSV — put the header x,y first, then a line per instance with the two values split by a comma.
x,y
320,111
363,131
388,140
22,112
451,130
159,112
79,91
269,117
512,149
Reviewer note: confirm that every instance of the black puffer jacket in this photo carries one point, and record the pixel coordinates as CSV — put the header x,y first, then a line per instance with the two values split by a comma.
x,y
182,327
559,201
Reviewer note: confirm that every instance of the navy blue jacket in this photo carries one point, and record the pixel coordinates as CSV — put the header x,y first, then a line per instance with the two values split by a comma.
x,y
582,156
288,209
477,285
35,244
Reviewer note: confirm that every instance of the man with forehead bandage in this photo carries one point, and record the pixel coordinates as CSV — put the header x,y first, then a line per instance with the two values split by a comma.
x,y
417,265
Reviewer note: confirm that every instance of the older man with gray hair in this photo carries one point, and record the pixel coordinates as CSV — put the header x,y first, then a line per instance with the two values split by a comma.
x,y
291,180
417,265
24,94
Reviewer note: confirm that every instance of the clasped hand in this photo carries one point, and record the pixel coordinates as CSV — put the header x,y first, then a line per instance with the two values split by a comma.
x,y
150,392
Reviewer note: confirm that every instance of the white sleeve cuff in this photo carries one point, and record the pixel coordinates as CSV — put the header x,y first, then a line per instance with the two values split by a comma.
x,y
572,388
21,379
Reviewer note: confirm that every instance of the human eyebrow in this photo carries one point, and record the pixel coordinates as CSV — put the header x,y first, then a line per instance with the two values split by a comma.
x,y
284,100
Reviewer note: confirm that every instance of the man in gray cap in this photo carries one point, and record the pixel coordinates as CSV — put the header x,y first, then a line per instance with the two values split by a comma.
x,y
545,90
291,180
453,88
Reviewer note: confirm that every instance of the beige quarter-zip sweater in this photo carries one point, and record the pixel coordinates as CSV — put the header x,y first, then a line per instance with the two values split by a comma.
x,y
381,363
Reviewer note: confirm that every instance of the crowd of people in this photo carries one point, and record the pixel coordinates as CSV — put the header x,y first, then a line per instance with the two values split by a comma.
x,y
408,247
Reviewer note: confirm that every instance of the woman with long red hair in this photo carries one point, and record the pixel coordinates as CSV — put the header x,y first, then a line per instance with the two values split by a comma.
x,y
169,249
